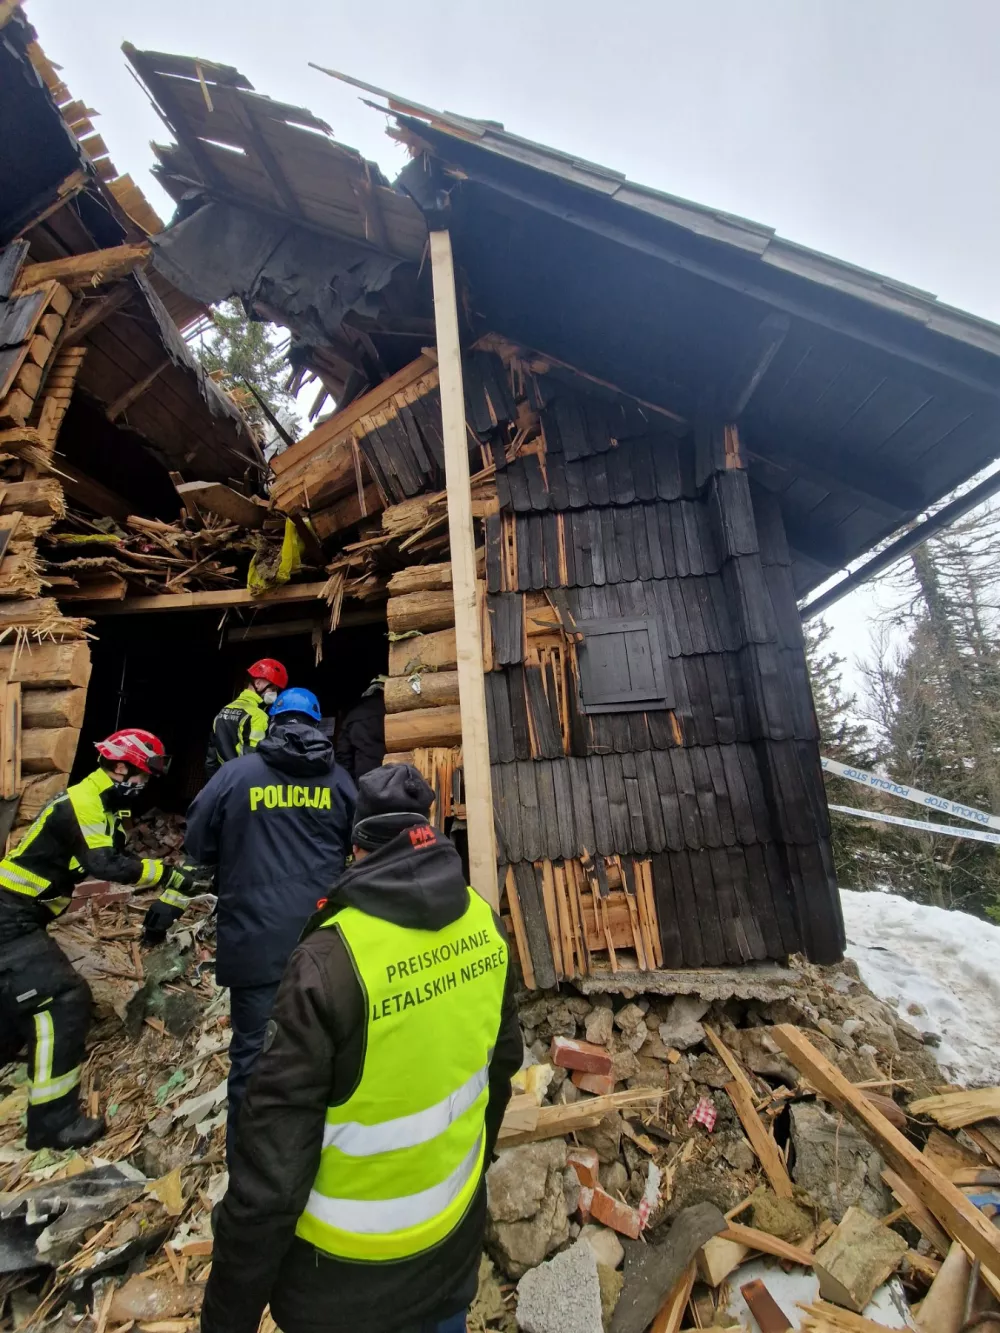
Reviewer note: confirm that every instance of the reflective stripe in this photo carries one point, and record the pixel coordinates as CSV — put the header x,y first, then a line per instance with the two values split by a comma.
x,y
94,831
53,1088
375,1217
357,1140
45,1037
21,880
56,905
173,898
151,873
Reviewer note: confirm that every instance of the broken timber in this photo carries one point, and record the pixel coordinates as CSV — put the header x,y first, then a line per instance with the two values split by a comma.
x,y
960,1217
212,599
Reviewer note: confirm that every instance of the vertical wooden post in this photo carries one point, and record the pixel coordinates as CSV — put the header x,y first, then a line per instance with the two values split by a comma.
x,y
468,637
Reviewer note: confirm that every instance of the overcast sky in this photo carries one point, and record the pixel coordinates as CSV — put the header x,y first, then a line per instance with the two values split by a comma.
x,y
864,128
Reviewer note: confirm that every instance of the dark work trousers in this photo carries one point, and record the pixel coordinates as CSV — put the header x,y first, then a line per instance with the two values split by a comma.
x,y
249,1009
44,1007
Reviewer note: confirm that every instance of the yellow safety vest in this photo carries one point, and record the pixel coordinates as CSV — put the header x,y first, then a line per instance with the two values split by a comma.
x,y
403,1155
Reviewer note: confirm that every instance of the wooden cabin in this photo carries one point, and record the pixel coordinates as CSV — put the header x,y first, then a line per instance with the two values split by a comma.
x,y
592,446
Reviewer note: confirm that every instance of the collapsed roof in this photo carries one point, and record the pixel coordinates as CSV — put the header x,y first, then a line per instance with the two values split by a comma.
x,y
65,197
861,400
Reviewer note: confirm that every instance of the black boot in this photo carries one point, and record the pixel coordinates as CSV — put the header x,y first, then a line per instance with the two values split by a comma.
x,y
78,1133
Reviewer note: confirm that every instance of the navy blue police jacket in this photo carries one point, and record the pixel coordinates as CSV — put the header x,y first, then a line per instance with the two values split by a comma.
x,y
276,824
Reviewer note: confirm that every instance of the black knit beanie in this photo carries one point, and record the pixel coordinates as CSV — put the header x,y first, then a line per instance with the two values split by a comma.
x,y
390,799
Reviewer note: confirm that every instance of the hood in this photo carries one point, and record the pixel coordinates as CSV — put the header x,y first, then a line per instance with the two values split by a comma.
x,y
421,886
297,748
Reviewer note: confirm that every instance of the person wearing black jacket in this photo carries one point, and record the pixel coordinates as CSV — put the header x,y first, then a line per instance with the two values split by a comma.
x,y
361,739
321,1043
276,823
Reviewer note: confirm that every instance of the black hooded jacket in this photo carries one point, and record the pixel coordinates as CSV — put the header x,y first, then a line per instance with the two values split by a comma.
x,y
277,824
314,1060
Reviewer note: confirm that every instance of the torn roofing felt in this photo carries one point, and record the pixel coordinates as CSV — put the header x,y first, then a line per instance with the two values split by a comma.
x,y
313,281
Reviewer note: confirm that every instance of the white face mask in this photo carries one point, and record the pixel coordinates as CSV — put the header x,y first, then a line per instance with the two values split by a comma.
x,y
269,696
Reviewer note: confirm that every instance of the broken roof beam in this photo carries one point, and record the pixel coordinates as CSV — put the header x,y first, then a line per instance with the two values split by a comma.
x,y
169,110
88,270
258,147
213,600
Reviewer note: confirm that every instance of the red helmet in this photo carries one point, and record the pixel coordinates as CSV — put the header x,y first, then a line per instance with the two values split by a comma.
x,y
270,670
139,748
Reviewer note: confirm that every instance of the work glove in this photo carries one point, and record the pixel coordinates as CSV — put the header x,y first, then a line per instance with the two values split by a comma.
x,y
156,922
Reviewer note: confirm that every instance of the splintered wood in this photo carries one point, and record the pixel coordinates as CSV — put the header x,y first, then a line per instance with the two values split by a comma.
x,y
566,912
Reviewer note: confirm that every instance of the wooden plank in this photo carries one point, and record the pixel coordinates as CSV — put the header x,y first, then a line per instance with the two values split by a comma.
x,y
437,689
520,935
920,1216
10,740
421,578
135,391
423,726
955,1110
472,687
436,651
54,708
101,499
224,501
764,1243
566,1117
87,270
761,1141
46,665
49,749
211,600
960,1218
732,1064
346,512
671,1313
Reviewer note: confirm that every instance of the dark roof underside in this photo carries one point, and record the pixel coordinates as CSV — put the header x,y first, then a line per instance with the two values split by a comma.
x,y
860,412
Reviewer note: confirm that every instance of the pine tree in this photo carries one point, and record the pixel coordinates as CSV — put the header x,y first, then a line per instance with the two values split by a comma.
x,y
240,351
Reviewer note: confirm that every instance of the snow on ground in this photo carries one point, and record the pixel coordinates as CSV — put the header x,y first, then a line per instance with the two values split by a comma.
x,y
944,970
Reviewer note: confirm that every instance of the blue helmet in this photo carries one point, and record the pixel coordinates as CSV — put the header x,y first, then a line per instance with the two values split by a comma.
x,y
297,701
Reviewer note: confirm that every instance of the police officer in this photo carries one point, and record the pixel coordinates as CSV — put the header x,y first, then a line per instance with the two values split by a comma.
x,y
356,1193
276,824
44,1004
242,725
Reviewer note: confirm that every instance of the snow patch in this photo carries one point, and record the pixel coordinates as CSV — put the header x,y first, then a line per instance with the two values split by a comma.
x,y
943,970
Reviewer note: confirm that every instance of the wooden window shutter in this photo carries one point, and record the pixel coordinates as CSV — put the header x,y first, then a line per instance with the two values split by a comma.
x,y
623,668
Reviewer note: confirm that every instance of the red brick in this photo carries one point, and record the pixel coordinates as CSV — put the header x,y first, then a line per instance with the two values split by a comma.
x,y
618,1216
586,1163
598,1083
583,1206
570,1054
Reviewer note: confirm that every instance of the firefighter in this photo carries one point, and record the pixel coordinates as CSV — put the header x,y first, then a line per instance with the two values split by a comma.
x,y
361,739
276,824
356,1194
44,1003
242,725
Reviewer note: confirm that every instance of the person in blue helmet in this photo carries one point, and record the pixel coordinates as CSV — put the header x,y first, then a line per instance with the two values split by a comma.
x,y
276,825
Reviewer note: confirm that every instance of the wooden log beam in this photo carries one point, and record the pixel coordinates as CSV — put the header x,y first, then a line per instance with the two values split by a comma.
x,y
468,635
422,727
38,791
39,666
224,501
960,1218
49,749
437,651
421,610
42,497
94,312
209,601
437,688
101,499
346,512
53,708
87,270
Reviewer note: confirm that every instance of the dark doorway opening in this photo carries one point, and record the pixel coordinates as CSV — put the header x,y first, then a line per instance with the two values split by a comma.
x,y
171,673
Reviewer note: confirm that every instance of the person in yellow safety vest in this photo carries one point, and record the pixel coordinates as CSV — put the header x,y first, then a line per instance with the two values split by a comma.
x,y
44,1003
242,725
356,1196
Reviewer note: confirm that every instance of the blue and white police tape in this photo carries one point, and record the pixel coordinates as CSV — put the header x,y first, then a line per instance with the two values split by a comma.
x,y
978,835
940,803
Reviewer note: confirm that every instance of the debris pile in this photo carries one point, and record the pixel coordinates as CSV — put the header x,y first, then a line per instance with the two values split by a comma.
x,y
675,1162
122,1230
667,1161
